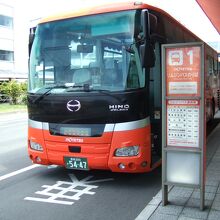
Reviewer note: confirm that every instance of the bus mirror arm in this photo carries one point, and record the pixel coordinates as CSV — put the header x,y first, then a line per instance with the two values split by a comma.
x,y
147,54
31,39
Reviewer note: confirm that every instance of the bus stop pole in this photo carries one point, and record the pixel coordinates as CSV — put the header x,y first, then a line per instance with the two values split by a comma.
x,y
202,131
164,186
165,195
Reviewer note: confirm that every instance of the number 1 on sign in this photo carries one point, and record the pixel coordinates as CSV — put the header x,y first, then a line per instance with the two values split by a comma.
x,y
190,54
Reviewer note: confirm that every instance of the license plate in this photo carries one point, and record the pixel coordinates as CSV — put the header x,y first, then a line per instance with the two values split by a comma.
x,y
77,163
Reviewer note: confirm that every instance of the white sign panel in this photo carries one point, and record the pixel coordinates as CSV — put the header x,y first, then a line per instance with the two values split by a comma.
x,y
183,123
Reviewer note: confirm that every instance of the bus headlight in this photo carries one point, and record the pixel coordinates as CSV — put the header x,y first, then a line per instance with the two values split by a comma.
x,y
127,151
35,146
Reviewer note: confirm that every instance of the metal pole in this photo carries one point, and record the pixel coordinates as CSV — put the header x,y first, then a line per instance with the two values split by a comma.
x,y
164,187
202,129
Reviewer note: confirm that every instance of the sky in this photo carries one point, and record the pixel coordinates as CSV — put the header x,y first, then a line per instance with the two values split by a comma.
x,y
186,12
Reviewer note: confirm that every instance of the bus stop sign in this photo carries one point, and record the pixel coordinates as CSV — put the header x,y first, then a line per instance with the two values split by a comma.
x,y
183,123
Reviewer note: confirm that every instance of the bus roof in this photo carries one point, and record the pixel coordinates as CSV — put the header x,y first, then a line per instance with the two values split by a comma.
x,y
111,7
91,10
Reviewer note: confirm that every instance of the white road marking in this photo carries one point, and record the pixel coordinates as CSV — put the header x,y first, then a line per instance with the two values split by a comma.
x,y
99,181
6,176
63,190
48,201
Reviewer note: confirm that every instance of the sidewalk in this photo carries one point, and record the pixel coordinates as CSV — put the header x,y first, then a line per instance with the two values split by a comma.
x,y
184,203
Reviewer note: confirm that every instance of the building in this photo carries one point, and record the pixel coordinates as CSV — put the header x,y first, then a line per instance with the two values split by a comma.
x,y
8,57
6,40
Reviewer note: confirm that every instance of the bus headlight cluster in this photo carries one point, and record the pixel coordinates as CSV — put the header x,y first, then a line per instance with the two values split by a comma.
x,y
35,146
127,151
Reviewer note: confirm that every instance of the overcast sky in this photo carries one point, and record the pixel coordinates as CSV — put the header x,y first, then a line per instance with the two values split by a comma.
x,y
186,11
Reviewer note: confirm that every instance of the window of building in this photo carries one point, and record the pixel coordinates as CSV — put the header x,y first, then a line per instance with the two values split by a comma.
x,y
6,21
6,55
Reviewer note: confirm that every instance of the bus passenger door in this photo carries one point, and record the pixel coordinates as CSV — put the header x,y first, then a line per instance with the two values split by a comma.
x,y
155,106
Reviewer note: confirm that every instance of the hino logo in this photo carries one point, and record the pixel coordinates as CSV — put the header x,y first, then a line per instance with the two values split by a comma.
x,y
73,105
118,108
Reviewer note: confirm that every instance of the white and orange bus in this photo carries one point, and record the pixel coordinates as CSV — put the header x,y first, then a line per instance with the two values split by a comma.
x,y
94,96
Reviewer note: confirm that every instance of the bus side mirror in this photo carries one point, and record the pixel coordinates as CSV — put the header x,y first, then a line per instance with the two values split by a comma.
x,y
147,56
149,24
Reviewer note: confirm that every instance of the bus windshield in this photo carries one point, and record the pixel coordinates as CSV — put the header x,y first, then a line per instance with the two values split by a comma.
x,y
99,51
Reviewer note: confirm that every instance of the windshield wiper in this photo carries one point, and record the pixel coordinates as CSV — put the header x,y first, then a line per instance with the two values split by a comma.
x,y
50,88
61,86
101,91
86,87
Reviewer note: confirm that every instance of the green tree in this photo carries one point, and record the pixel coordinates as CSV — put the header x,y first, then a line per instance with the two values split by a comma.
x,y
16,91
24,92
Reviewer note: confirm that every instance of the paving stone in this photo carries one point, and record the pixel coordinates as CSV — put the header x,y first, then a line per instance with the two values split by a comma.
x,y
208,189
177,200
217,197
214,215
195,203
216,205
181,192
195,213
186,218
170,209
208,196
157,216
211,189
212,183
215,159
211,169
213,172
215,177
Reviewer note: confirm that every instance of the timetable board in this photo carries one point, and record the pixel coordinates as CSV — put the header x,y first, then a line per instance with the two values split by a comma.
x,y
183,123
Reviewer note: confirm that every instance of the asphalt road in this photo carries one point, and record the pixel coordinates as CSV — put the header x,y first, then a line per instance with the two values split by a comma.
x,y
30,191
34,192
